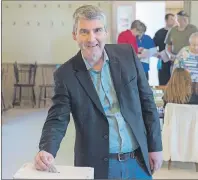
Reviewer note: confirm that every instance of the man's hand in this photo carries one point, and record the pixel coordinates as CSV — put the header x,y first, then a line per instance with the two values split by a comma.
x,y
43,161
140,49
158,55
172,57
144,54
155,159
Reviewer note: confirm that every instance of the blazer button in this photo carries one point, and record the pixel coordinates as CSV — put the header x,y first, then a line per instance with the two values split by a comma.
x,y
106,136
105,159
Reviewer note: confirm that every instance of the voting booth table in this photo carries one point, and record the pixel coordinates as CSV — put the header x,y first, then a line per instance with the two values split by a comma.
x,y
28,171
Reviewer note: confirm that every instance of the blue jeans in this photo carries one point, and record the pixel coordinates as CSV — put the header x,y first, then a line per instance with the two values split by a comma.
x,y
129,169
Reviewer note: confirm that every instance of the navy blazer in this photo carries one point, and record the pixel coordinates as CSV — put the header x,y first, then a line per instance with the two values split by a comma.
x,y
76,94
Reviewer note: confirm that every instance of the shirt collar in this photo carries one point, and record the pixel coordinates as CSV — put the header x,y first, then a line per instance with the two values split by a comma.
x,y
88,66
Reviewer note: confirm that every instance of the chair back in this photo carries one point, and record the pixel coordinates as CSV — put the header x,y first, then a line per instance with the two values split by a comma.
x,y
25,73
47,71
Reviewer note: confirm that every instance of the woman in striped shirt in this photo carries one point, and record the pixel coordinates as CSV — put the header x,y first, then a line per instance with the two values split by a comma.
x,y
187,58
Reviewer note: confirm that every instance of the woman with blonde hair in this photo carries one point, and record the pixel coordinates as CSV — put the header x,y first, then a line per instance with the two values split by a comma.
x,y
180,88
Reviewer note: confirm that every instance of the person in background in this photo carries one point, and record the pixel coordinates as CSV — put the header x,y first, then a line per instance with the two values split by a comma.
x,y
145,42
178,36
159,38
129,36
187,58
180,89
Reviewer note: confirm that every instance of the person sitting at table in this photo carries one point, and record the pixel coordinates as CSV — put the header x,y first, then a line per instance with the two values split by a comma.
x,y
180,88
187,58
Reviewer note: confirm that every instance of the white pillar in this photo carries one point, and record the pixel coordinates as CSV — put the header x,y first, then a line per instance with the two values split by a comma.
x,y
194,13
187,6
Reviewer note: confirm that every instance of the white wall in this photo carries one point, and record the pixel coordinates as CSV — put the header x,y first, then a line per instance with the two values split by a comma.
x,y
40,40
194,12
152,14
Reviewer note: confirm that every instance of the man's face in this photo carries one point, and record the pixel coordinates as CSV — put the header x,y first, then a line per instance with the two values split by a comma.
x,y
170,21
194,45
140,35
183,21
91,37
137,33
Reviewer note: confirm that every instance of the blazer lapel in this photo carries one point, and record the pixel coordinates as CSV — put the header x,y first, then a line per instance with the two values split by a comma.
x,y
85,80
115,69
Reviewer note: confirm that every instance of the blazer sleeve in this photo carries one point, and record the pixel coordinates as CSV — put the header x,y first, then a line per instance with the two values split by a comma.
x,y
58,118
149,110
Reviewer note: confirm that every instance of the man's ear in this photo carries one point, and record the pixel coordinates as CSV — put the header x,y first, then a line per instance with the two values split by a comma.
x,y
74,36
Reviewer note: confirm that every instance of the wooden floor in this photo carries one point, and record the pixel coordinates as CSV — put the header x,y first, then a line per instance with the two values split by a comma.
x,y
21,130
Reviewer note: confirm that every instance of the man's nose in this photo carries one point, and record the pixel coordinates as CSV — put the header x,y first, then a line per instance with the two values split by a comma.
x,y
91,37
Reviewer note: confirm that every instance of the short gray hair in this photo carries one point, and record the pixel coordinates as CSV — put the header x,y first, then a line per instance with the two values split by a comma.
x,y
193,35
88,12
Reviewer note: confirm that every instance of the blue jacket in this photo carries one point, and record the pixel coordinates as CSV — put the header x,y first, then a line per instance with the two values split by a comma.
x,y
147,43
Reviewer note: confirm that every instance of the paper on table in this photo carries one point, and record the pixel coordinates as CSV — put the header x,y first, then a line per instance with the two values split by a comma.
x,y
28,171
164,56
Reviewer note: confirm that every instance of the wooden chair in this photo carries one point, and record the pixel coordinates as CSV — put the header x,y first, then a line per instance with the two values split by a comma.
x,y
4,79
25,75
47,84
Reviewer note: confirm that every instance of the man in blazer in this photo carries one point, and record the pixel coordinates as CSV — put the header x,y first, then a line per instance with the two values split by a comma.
x,y
105,88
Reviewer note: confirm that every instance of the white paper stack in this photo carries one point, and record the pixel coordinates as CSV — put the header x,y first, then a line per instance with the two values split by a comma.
x,y
28,171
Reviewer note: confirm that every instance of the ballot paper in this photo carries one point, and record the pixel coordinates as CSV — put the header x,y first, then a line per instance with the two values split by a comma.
x,y
149,53
28,171
152,51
